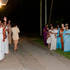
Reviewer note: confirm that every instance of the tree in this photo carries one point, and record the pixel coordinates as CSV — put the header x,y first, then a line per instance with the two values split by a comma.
x,y
50,12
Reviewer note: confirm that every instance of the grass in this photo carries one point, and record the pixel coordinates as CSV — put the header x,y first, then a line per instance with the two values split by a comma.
x,y
40,41
65,54
58,51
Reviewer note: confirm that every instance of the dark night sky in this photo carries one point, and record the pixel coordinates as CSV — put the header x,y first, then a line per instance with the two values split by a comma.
x,y
61,8
25,13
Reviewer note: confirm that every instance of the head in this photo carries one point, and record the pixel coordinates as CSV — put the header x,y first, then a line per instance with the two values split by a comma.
x,y
51,27
50,24
57,26
66,26
46,25
5,19
62,25
9,22
0,21
14,25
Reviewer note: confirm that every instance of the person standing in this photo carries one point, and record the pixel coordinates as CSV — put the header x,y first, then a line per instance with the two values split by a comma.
x,y
53,38
6,43
61,35
49,38
66,37
58,38
45,33
15,36
1,43
9,31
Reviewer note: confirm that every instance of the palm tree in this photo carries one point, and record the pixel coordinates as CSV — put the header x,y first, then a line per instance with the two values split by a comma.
x,y
50,12
40,17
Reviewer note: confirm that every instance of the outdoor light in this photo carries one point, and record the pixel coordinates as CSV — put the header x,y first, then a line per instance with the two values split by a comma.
x,y
3,3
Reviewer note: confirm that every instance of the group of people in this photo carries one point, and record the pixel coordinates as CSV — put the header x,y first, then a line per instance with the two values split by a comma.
x,y
57,37
7,33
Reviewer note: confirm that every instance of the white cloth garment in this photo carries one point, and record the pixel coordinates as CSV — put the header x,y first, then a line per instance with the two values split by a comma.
x,y
53,40
49,38
1,44
6,46
6,43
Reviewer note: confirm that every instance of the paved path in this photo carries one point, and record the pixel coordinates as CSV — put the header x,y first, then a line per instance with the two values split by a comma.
x,y
32,57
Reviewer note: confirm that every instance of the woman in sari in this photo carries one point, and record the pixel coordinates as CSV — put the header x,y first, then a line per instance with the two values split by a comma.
x,y
45,33
6,44
58,38
53,38
2,56
49,38
61,35
66,37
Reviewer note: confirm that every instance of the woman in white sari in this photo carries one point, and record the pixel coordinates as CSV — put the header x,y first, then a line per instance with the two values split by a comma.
x,y
53,32
1,43
6,43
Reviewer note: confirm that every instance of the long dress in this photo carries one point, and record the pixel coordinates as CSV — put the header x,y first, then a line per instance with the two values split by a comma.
x,y
53,40
49,37
58,40
45,32
66,41
1,44
6,43
61,36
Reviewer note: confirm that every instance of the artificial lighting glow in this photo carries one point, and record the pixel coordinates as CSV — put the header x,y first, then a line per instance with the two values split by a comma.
x,y
3,3
0,4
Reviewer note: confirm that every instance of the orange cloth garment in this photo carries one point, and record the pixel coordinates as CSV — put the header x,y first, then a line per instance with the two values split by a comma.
x,y
61,36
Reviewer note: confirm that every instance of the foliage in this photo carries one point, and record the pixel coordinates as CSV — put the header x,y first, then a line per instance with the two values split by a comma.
x,y
58,51
65,54
40,41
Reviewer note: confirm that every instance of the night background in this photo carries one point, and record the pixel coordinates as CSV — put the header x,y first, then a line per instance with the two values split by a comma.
x,y
60,10
26,13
